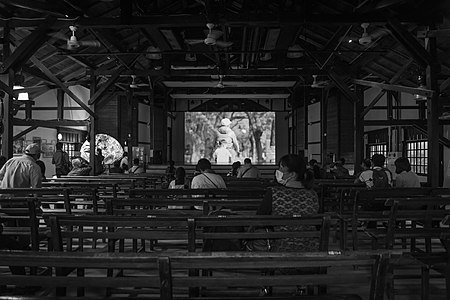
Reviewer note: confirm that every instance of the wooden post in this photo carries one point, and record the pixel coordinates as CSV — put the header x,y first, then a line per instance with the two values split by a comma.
x,y
358,128
60,104
93,127
7,135
433,128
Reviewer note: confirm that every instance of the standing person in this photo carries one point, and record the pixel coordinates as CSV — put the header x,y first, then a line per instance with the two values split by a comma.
x,y
22,171
294,196
124,162
98,160
248,170
405,177
222,155
226,134
377,176
61,160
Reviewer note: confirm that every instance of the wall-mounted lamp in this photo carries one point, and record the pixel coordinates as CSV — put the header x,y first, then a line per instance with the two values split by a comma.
x,y
418,97
21,96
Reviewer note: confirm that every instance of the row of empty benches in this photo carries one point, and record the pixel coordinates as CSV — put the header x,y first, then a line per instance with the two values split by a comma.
x,y
399,232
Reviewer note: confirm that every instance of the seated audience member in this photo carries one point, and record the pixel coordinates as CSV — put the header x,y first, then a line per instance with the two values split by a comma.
x,y
116,169
366,164
41,165
248,170
180,182
339,170
405,177
206,178
124,162
170,171
377,176
80,167
314,166
136,168
294,196
234,169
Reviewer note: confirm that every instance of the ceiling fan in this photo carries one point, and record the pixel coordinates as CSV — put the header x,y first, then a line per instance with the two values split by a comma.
x,y
211,38
135,85
319,84
73,43
367,39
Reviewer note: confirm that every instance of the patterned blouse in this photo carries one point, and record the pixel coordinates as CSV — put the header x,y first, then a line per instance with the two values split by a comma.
x,y
281,201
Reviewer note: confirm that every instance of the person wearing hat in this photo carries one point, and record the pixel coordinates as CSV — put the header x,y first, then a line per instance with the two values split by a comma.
x,y
227,137
22,171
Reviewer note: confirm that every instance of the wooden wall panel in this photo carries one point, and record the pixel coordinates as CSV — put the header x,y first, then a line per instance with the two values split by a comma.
x,y
108,118
346,130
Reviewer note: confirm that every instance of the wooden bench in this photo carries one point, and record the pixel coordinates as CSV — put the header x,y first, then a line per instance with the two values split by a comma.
x,y
368,207
68,274
178,205
81,233
242,275
207,193
231,275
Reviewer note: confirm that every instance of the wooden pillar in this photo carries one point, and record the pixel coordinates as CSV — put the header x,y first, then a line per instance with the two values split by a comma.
x,y
434,155
60,104
324,127
93,127
132,134
7,136
358,128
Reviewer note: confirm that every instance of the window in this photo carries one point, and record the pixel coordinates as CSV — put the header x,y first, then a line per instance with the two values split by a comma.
x,y
71,141
416,150
417,153
377,142
380,148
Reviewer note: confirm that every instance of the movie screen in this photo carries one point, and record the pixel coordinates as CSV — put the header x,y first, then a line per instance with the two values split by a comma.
x,y
226,137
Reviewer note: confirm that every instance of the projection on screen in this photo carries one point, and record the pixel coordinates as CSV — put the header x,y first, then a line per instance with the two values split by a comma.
x,y
226,137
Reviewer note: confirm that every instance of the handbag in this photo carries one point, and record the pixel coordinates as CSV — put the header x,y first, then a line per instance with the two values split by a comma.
x,y
259,245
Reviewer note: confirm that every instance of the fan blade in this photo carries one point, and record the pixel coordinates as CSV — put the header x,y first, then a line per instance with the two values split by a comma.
x,y
89,43
215,34
194,41
223,44
59,36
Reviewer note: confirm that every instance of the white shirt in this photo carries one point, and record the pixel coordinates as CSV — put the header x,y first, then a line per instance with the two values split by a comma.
x,y
21,172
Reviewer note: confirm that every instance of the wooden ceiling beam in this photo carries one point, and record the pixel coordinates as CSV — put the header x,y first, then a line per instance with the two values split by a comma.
x,y
208,72
23,132
28,47
52,9
229,96
56,81
105,86
396,88
405,38
234,20
263,20
49,123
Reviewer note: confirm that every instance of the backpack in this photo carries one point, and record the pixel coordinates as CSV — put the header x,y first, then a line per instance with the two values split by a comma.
x,y
380,178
